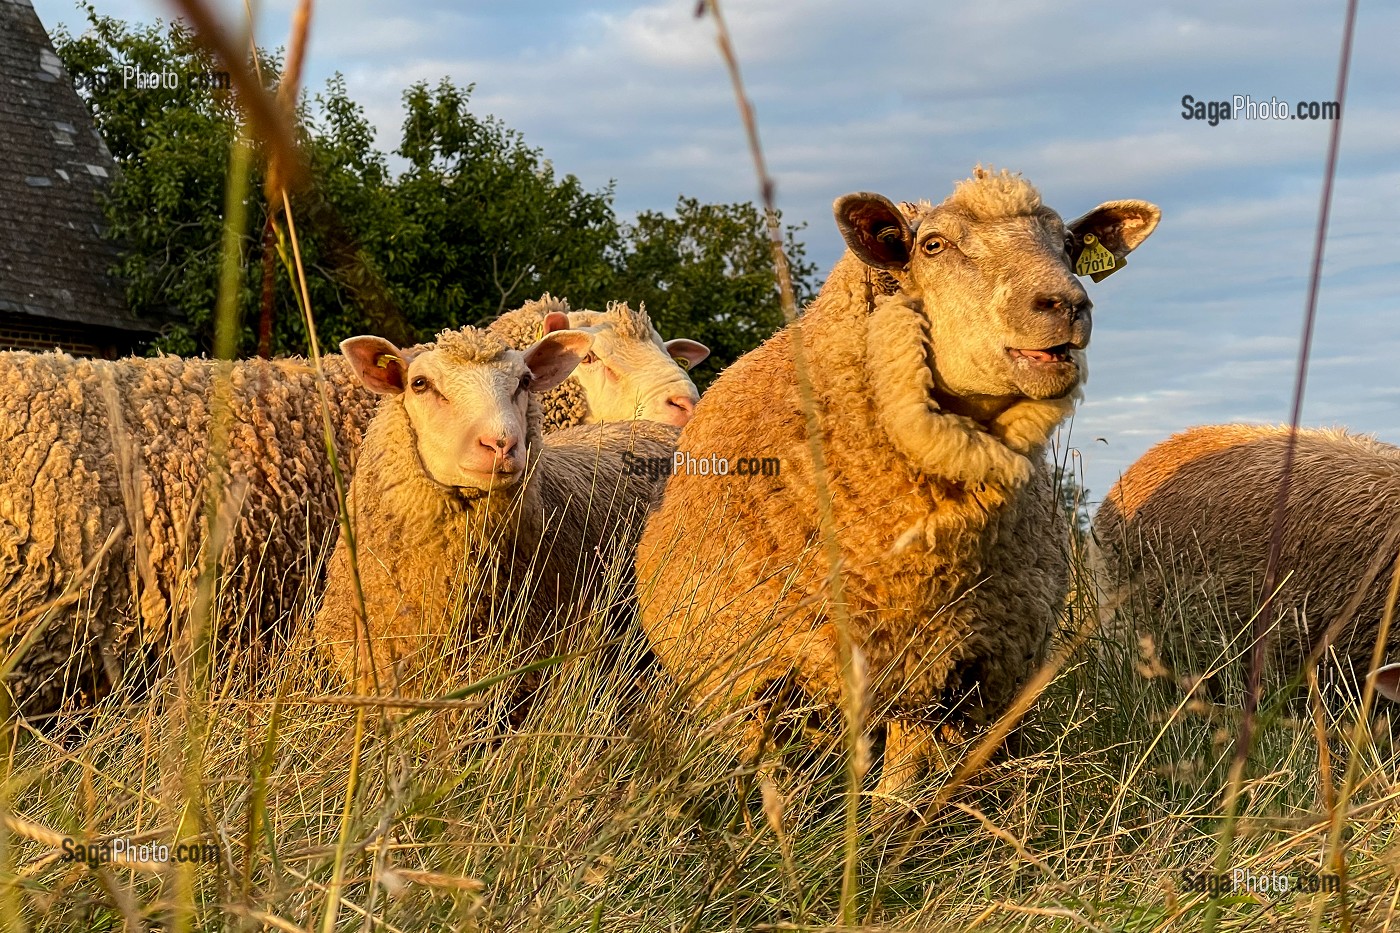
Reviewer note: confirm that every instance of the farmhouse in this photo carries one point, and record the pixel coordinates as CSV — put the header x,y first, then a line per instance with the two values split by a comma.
x,y
55,286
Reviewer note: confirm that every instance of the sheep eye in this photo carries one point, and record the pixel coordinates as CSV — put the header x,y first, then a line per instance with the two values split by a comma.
x,y
934,245
420,384
590,358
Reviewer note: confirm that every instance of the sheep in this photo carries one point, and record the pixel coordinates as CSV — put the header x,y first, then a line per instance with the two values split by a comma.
x,y
631,373
466,521
1192,520
935,397
102,494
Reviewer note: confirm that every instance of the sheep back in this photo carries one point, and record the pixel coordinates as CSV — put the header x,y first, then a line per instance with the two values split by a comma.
x,y
1191,523
116,454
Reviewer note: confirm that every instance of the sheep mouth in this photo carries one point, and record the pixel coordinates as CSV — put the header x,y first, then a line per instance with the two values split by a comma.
x,y
1047,356
498,478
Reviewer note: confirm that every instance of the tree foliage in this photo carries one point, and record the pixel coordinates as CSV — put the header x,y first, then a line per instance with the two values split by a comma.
x,y
477,222
707,272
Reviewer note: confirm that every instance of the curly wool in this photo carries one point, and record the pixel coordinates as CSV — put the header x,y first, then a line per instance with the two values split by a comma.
x,y
991,195
1190,524
566,405
627,323
480,581
467,346
102,502
987,560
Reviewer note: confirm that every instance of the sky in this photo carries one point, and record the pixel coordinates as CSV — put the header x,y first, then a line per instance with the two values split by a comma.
x,y
1083,98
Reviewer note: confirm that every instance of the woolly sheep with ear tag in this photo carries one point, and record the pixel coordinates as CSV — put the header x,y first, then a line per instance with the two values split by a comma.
x,y
945,347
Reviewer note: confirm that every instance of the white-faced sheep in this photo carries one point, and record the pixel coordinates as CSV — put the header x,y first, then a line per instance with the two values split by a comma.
x,y
105,467
1190,525
935,402
467,523
101,490
630,374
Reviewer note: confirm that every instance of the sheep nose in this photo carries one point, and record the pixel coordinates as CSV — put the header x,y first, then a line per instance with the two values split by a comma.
x,y
679,409
500,445
1070,304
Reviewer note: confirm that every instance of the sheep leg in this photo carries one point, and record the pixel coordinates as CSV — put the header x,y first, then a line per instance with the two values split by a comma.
x,y
908,747
760,753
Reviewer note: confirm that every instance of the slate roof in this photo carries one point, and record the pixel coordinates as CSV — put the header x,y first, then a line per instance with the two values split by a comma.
x,y
53,258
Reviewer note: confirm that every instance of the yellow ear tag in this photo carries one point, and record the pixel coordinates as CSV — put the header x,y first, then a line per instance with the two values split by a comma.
x,y
539,334
384,359
1095,260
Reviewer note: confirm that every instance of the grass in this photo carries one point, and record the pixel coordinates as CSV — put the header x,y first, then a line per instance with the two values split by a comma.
x,y
612,807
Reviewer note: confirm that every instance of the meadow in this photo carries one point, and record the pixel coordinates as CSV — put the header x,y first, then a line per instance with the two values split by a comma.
x,y
612,806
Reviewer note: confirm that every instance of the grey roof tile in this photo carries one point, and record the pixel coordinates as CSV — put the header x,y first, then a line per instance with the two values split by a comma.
x,y
54,262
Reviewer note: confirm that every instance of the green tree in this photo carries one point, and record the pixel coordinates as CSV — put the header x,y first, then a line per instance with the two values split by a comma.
x,y
165,205
477,224
487,225
706,272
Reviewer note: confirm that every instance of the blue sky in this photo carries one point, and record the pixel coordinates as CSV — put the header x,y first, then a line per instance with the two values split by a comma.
x,y
904,98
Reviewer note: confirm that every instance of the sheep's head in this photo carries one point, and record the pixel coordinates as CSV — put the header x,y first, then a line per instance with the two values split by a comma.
x,y
994,270
467,398
631,373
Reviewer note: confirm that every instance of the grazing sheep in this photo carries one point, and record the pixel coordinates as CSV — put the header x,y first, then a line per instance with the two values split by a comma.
x,y
630,374
935,403
1192,519
105,467
467,522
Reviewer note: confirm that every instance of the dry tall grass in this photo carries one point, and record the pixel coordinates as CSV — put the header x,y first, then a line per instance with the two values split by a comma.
x,y
610,807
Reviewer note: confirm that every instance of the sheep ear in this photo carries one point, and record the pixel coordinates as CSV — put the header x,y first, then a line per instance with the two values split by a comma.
x,y
554,320
1121,226
875,230
555,356
1388,681
378,364
689,353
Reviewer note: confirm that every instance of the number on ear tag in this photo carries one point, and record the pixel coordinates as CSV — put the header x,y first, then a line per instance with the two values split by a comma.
x,y
1095,260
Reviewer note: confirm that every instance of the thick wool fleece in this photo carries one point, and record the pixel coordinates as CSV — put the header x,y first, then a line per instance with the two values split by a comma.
x,y
1192,520
566,404
473,584
102,503
627,323
953,553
